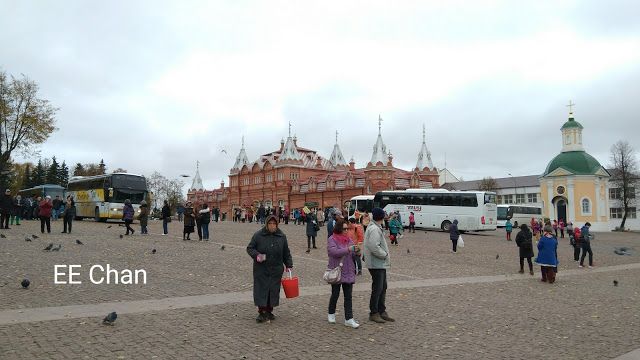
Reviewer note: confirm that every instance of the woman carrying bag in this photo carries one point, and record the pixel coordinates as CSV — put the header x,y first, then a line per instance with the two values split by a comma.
x,y
342,252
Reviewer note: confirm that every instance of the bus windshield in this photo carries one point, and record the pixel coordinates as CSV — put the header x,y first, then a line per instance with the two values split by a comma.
x,y
502,212
122,181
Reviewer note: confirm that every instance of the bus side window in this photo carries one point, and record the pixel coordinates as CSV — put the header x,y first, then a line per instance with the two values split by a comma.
x,y
451,200
434,199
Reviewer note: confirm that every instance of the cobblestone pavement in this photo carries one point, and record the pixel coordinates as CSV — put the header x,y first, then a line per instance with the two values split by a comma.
x,y
582,316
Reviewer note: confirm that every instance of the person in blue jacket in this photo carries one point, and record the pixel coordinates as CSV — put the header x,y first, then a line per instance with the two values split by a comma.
x,y
548,255
508,227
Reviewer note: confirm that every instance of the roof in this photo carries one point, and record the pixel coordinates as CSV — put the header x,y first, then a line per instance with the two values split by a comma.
x,y
501,183
571,123
574,162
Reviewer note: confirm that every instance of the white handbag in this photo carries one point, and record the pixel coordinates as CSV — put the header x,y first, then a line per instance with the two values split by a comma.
x,y
333,276
460,242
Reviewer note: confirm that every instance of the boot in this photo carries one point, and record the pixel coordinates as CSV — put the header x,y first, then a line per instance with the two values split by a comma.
x,y
376,318
386,317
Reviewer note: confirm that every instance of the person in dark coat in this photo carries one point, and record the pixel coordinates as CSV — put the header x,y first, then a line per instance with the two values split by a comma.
x,y
6,205
69,214
128,212
524,240
312,231
270,252
45,214
16,212
189,221
454,235
144,217
166,217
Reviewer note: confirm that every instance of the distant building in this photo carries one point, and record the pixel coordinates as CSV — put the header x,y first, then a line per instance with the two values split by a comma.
x,y
509,190
293,176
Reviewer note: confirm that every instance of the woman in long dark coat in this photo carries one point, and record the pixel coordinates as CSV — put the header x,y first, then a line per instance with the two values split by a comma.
x,y
312,231
189,221
270,252
524,240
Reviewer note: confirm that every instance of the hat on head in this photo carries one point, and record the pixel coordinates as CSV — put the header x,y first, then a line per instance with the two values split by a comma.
x,y
48,197
378,214
7,191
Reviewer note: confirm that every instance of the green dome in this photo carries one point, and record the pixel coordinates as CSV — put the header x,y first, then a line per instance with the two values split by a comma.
x,y
571,123
576,162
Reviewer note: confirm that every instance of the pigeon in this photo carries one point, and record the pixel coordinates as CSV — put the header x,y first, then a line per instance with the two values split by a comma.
x,y
153,251
3,236
57,248
109,227
25,283
408,251
34,236
79,242
497,256
615,282
48,247
27,239
121,236
222,247
110,318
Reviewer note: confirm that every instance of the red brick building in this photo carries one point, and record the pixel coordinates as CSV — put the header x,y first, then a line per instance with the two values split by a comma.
x,y
293,176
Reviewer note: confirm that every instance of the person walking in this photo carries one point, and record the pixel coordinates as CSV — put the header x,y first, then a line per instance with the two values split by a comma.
x,y
366,219
570,229
376,251
16,211
561,226
45,214
189,221
270,252
312,231
166,217
320,217
144,217
555,227
524,240
342,252
205,218
198,224
454,235
586,245
508,227
548,255
575,239
127,215
69,215
395,227
412,222
6,205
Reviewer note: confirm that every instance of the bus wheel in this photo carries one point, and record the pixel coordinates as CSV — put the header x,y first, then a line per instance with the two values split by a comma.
x,y
445,225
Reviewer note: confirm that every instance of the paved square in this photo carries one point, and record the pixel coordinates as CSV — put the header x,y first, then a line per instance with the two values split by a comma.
x,y
197,302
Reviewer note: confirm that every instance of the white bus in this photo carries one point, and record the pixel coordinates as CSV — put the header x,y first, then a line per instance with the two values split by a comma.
x,y
364,203
519,214
437,208
102,197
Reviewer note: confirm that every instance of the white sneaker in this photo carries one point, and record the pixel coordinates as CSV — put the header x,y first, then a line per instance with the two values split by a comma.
x,y
351,323
331,318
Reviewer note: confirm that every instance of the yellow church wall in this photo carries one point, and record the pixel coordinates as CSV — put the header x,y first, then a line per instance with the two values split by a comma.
x,y
581,188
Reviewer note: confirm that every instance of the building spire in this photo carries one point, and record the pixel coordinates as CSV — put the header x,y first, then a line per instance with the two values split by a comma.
x,y
241,159
379,149
424,156
336,156
289,128
336,136
197,180
379,124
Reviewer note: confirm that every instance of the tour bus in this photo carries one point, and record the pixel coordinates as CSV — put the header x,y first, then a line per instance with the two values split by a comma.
x,y
364,203
519,214
102,196
43,190
437,208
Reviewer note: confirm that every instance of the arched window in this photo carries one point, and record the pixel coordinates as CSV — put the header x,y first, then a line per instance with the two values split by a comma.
x,y
586,206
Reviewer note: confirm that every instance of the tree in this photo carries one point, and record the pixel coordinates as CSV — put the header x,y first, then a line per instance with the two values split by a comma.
x,y
25,119
39,174
624,175
78,170
28,181
52,172
119,170
63,175
488,184
165,189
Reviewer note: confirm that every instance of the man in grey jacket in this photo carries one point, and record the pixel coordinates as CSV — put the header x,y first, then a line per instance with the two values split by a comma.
x,y
376,251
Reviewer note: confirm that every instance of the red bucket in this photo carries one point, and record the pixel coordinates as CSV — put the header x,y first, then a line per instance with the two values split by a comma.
x,y
290,286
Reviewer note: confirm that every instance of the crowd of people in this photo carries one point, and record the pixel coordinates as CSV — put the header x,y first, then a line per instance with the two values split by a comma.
x,y
546,237
14,209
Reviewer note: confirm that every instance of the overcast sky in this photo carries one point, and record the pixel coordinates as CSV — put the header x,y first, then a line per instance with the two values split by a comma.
x,y
157,85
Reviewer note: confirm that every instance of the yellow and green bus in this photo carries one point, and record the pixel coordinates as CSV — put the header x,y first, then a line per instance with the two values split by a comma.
x,y
102,197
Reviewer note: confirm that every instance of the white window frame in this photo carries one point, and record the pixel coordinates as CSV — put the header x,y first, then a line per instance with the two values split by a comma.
x,y
582,212
616,213
532,198
520,199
